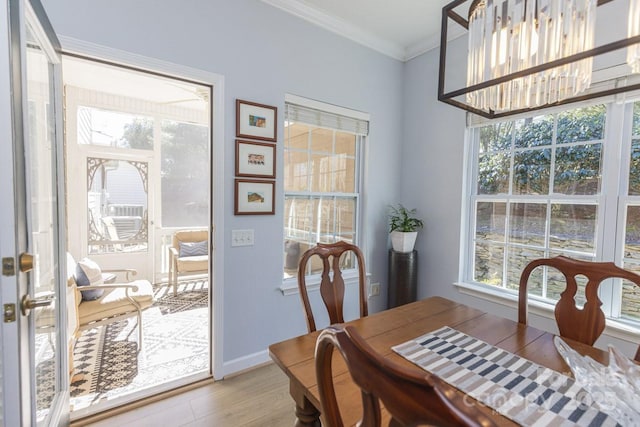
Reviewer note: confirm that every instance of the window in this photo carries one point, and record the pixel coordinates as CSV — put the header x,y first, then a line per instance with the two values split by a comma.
x,y
322,180
114,129
555,185
630,295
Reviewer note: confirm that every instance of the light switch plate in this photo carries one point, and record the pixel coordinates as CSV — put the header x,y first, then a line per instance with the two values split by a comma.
x,y
242,237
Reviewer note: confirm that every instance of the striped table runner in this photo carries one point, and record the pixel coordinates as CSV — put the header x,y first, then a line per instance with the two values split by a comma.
x,y
525,392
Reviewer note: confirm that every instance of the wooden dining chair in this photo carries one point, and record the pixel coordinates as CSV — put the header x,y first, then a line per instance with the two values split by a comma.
x,y
586,324
332,284
411,396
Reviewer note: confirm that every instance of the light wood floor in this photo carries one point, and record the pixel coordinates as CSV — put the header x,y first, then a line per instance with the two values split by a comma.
x,y
259,397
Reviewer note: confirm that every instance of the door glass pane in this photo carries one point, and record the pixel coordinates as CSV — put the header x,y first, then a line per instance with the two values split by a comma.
x,y
42,220
185,174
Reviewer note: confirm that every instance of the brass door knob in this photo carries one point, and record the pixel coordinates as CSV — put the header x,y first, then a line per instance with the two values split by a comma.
x,y
27,303
25,262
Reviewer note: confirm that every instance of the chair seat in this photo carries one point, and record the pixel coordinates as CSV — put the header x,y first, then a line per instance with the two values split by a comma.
x,y
193,263
115,302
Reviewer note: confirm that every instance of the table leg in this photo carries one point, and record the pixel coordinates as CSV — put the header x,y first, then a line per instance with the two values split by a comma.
x,y
307,415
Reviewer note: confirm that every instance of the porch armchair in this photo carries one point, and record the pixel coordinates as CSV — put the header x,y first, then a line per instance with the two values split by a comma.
x,y
189,253
115,301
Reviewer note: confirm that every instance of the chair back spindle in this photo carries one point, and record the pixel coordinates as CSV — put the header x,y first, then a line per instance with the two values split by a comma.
x,y
584,324
332,287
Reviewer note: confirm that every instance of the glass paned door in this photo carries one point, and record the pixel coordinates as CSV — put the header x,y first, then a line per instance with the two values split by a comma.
x,y
42,230
39,363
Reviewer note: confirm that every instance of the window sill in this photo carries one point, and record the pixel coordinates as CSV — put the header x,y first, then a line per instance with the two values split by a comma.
x,y
613,328
290,286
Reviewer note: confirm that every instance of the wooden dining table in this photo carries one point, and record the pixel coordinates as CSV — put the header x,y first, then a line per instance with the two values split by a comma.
x,y
398,325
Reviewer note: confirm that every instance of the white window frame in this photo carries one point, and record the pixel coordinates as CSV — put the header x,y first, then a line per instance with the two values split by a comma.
x,y
350,276
612,202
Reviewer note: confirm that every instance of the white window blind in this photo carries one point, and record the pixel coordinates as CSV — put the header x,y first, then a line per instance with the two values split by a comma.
x,y
324,119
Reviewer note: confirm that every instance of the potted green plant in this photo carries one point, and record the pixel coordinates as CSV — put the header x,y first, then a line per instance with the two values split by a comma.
x,y
403,226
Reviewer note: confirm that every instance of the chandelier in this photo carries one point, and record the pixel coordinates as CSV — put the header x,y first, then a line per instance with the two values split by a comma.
x,y
528,54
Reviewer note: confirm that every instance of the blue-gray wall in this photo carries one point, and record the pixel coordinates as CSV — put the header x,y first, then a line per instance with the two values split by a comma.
x,y
263,53
415,154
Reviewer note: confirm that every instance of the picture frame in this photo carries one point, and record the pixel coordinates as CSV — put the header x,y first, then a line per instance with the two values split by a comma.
x,y
255,159
256,121
254,197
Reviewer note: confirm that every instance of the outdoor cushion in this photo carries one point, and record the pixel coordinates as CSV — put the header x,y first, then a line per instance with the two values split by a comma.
x,y
193,263
189,249
115,302
89,273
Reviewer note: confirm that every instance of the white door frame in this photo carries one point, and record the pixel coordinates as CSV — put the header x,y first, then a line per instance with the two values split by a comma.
x,y
216,267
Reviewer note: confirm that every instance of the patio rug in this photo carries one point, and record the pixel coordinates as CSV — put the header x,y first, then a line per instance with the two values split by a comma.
x,y
175,344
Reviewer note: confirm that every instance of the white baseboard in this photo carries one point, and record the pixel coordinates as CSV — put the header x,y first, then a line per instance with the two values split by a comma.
x,y
244,363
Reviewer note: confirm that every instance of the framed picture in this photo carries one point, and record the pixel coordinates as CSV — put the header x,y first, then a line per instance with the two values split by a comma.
x,y
254,197
255,159
256,121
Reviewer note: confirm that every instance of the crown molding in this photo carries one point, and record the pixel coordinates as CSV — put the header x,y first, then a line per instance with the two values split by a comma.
x,y
423,46
340,27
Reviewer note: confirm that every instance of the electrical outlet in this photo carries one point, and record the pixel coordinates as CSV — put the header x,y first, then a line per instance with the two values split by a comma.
x,y
375,289
241,237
